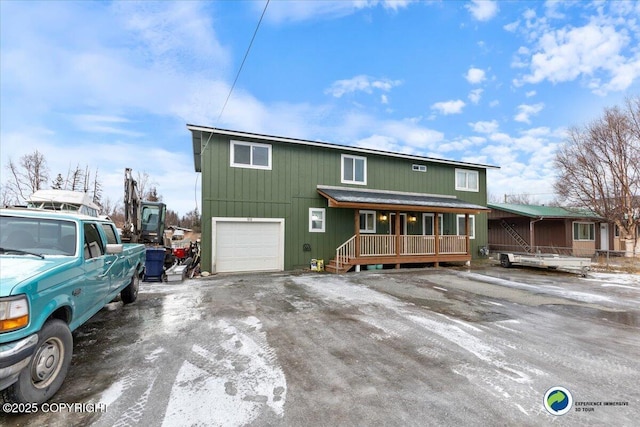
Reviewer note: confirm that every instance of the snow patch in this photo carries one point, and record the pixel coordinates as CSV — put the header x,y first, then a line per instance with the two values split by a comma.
x,y
247,380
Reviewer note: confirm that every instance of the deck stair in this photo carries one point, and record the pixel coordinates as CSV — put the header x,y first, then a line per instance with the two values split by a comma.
x,y
517,237
332,267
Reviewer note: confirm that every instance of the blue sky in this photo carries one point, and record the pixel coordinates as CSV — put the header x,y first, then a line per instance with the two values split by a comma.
x,y
111,85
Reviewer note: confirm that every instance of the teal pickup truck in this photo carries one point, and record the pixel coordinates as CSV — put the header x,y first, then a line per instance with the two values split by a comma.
x,y
56,271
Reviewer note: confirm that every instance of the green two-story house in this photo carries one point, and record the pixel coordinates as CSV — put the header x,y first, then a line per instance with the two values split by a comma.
x,y
274,203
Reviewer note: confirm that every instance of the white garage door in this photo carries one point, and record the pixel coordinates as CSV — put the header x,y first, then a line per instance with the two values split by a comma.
x,y
242,244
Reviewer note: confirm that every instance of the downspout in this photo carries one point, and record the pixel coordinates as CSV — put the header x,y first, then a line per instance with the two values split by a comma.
x,y
532,237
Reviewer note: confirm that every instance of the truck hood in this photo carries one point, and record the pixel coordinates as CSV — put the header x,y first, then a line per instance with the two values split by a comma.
x,y
15,270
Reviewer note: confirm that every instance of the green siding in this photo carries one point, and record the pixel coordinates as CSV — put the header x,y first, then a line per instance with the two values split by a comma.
x,y
288,190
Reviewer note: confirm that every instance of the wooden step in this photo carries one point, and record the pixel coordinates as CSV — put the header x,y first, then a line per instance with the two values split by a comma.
x,y
332,267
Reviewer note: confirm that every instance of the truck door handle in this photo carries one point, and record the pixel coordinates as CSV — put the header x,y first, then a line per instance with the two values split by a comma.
x,y
76,292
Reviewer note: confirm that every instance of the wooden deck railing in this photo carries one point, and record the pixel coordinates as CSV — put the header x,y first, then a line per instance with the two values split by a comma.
x,y
345,252
377,244
453,244
385,244
418,245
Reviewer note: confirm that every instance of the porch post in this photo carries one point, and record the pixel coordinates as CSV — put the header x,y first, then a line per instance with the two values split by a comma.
x,y
436,225
356,221
398,243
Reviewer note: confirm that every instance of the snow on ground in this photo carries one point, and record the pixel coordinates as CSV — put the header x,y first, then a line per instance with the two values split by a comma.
x,y
248,378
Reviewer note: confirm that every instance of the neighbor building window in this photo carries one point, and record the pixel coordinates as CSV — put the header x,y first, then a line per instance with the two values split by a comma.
x,y
367,221
250,155
467,180
462,228
354,169
584,231
316,220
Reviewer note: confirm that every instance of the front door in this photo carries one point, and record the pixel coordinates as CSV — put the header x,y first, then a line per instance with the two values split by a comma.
x,y
403,224
604,237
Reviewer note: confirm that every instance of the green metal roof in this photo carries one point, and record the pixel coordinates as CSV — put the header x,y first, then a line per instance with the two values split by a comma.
x,y
534,211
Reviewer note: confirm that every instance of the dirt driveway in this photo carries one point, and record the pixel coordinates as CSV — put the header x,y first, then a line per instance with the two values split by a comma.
x,y
409,347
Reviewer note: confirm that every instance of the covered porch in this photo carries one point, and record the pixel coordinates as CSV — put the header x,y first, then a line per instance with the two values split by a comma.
x,y
414,231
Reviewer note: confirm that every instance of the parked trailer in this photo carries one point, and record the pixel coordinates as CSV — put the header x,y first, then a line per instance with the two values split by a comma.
x,y
551,261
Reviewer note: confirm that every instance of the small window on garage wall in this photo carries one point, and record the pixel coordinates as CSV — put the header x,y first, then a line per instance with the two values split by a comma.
x,y
317,220
367,221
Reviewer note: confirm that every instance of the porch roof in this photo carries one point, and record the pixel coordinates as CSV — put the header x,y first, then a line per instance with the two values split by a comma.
x,y
356,198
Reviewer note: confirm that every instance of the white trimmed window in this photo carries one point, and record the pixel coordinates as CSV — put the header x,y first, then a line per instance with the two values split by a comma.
x,y
250,155
316,220
461,226
428,223
367,221
585,231
353,170
467,180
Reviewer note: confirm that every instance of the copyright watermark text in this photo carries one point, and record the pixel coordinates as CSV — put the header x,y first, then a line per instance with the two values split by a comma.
x,y
52,407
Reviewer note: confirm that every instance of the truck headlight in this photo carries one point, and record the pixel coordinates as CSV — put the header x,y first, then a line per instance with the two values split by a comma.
x,y
14,313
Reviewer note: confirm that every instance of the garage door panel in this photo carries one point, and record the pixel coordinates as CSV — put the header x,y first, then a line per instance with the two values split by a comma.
x,y
248,246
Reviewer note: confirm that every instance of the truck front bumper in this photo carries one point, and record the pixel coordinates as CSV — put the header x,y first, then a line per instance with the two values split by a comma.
x,y
14,357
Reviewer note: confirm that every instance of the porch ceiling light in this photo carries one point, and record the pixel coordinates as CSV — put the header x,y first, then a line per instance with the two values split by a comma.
x,y
413,218
383,217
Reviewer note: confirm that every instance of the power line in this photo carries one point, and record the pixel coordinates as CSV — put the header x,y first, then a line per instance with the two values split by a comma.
x,y
246,55
243,61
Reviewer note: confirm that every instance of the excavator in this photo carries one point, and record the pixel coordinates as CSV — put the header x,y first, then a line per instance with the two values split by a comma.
x,y
143,221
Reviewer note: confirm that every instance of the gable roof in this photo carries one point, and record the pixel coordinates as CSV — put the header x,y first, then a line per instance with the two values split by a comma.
x,y
197,131
347,197
536,211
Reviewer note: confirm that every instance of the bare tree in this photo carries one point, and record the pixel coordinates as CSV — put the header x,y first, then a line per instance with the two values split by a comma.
x,y
521,199
28,176
599,168
192,220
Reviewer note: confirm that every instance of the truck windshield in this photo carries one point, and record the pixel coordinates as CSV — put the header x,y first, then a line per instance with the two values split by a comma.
x,y
38,235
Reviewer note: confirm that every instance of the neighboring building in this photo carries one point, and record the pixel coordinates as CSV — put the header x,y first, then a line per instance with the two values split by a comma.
x,y
548,229
275,203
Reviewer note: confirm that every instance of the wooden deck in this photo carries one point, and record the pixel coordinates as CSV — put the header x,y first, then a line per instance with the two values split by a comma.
x,y
368,249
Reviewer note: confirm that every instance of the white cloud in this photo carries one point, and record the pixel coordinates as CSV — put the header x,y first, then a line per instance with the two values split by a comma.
x,y
475,75
449,107
530,93
526,111
360,83
602,53
475,95
485,127
482,10
297,10
384,99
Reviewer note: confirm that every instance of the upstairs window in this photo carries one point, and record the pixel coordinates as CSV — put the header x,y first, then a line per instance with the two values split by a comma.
x,y
354,170
467,180
250,155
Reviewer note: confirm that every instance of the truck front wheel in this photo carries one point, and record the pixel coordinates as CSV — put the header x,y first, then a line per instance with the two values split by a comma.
x,y
130,293
44,375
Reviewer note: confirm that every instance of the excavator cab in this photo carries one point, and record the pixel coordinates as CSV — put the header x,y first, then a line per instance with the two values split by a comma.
x,y
152,222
